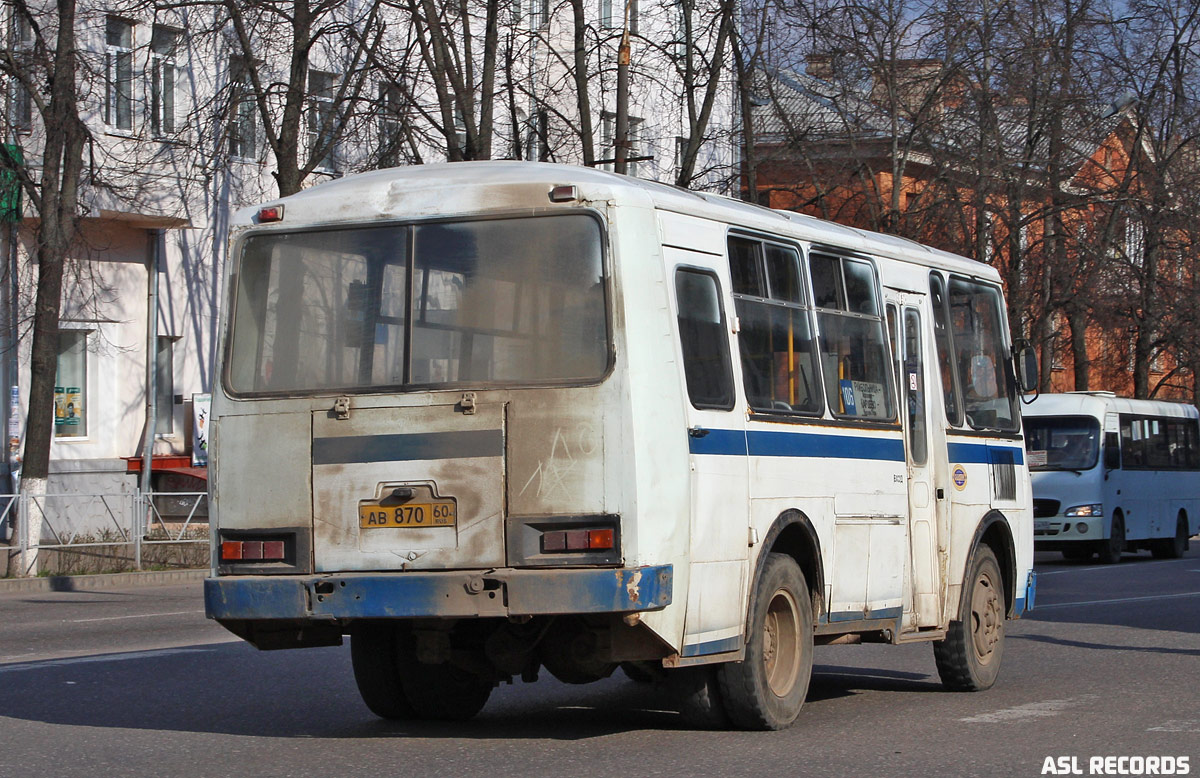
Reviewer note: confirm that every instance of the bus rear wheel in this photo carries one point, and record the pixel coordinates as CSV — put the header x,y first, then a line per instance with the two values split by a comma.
x,y
968,659
375,654
1173,548
767,689
395,685
1112,549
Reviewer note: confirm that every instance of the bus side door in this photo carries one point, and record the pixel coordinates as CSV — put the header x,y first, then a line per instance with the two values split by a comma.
x,y
717,455
908,321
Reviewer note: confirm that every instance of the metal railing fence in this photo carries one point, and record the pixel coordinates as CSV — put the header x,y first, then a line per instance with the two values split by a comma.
x,y
71,524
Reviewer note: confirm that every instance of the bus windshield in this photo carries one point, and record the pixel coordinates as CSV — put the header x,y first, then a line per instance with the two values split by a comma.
x,y
1062,442
498,302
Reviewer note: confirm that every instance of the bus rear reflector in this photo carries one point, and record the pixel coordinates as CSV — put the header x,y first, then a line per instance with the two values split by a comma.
x,y
577,540
252,551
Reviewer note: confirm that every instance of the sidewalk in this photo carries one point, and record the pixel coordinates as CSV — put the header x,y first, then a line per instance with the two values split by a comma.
x,y
76,583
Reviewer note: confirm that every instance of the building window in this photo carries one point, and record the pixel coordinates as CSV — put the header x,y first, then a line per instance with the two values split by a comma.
x,y
612,15
539,14
608,141
163,44
118,68
679,47
164,386
321,135
539,131
243,125
391,125
1135,242
70,385
22,103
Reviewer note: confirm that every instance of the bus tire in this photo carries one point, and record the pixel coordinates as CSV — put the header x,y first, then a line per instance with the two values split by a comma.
x,y
767,689
375,654
696,692
1112,549
1173,548
444,692
968,659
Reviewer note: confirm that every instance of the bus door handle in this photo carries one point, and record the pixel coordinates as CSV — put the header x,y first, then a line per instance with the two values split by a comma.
x,y
698,432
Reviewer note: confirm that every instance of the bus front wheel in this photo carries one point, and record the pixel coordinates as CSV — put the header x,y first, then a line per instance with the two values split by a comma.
x,y
1112,549
968,659
767,689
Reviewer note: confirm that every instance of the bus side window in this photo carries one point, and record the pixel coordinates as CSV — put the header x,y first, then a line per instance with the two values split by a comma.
x,y
854,350
704,339
1112,451
941,330
779,362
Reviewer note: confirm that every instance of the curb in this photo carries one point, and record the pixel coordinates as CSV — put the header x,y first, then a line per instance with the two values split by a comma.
x,y
79,583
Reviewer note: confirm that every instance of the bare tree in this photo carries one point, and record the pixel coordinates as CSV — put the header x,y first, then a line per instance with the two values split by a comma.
x,y
47,71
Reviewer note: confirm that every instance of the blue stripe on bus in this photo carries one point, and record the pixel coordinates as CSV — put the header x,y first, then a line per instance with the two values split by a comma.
x,y
763,443
984,454
354,449
713,646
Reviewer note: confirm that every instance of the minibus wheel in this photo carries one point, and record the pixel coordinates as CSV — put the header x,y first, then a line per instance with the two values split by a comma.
x,y
1173,548
968,659
767,688
395,685
1111,549
375,654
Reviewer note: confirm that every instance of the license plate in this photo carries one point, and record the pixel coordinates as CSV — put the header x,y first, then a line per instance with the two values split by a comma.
x,y
439,513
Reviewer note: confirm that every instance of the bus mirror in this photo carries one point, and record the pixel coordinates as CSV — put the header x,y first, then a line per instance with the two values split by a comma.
x,y
1112,451
1027,367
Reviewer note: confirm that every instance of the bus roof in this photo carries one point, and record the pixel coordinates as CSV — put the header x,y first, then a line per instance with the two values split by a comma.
x,y
1097,404
468,188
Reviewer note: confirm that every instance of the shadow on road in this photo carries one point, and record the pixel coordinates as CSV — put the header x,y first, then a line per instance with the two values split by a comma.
x,y
234,689
1108,646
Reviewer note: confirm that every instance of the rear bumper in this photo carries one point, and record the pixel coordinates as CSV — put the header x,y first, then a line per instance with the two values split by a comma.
x,y
458,594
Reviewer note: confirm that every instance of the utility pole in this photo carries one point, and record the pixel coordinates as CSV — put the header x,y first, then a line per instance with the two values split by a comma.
x,y
621,144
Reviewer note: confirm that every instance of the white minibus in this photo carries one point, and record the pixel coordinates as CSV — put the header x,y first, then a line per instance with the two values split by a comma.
x,y
489,418
1112,475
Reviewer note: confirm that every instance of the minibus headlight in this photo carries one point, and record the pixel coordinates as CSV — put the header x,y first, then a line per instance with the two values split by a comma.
x,y
1084,510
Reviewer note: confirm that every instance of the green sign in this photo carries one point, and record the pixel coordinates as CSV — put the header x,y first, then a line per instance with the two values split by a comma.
x,y
11,160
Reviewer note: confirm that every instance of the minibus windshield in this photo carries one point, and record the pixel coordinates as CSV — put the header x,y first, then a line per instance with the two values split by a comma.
x,y
1062,442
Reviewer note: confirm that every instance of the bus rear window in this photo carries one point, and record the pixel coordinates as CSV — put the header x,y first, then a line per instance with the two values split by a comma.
x,y
501,302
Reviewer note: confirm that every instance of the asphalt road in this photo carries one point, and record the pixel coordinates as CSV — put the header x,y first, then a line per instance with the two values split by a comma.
x,y
136,683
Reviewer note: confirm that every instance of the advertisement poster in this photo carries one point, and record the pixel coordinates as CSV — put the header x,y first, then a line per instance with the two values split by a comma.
x,y
68,406
200,410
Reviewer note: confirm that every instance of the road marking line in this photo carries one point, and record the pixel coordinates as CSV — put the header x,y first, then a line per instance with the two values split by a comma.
x,y
1041,607
78,660
1107,567
1032,710
135,616
1177,726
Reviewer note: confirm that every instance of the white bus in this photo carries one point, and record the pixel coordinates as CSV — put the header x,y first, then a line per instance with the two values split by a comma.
x,y
487,418
1112,475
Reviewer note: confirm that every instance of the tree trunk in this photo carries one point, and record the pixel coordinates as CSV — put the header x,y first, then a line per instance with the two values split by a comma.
x,y
62,167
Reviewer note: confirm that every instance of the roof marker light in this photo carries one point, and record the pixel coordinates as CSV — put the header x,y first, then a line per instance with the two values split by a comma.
x,y
270,213
564,193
